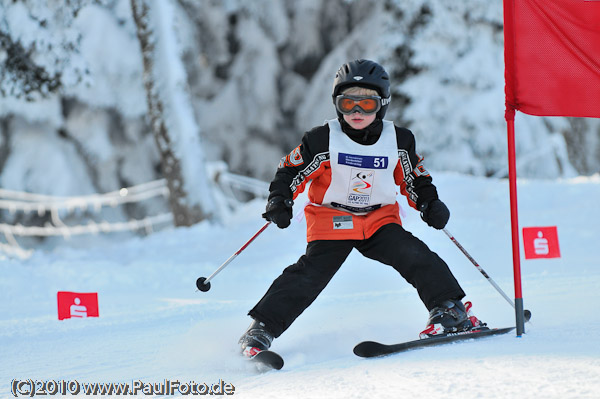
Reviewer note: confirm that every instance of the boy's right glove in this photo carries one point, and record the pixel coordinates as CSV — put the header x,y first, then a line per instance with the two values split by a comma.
x,y
279,211
435,214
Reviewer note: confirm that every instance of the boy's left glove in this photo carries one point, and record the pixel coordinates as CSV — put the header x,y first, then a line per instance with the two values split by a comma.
x,y
279,211
435,214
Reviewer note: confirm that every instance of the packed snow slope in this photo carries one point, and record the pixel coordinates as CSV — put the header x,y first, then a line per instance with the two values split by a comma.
x,y
154,324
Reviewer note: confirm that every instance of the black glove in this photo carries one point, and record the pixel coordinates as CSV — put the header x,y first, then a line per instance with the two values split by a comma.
x,y
279,211
435,214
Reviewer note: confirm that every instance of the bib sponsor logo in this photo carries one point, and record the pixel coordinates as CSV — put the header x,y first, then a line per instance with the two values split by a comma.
x,y
361,185
342,223
363,161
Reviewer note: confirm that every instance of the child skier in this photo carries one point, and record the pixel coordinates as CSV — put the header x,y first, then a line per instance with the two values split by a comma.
x,y
355,164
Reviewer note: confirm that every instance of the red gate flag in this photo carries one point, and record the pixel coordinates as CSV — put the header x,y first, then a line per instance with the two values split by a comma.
x,y
77,305
552,57
552,68
541,242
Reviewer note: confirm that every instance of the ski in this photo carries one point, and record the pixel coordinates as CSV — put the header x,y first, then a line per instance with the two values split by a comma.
x,y
267,360
375,349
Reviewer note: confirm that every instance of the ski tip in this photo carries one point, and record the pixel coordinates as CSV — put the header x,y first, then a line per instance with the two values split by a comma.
x,y
270,359
366,348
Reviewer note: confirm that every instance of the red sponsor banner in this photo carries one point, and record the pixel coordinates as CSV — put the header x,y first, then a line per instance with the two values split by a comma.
x,y
541,242
77,305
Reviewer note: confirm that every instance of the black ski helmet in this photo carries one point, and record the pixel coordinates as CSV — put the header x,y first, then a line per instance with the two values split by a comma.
x,y
363,73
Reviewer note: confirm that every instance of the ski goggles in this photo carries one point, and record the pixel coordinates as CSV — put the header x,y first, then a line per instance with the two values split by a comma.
x,y
367,105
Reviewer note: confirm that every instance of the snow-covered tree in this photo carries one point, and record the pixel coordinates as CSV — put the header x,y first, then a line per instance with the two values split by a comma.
x,y
39,47
171,115
79,129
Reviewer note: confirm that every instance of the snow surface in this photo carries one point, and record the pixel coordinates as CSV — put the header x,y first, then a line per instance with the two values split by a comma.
x,y
154,325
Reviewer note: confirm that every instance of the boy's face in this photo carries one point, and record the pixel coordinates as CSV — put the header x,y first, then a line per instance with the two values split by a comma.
x,y
359,121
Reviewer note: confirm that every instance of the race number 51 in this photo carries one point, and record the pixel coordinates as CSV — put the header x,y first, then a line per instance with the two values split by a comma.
x,y
380,162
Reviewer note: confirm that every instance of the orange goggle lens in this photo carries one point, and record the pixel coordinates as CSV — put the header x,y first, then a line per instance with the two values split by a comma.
x,y
363,104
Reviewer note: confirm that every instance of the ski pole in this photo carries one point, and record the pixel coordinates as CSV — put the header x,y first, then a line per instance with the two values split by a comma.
x,y
203,283
526,313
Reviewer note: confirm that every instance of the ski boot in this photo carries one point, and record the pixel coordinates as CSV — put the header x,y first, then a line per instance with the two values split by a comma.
x,y
450,316
256,339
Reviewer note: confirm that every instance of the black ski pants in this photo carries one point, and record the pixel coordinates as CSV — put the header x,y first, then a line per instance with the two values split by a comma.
x,y
300,284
